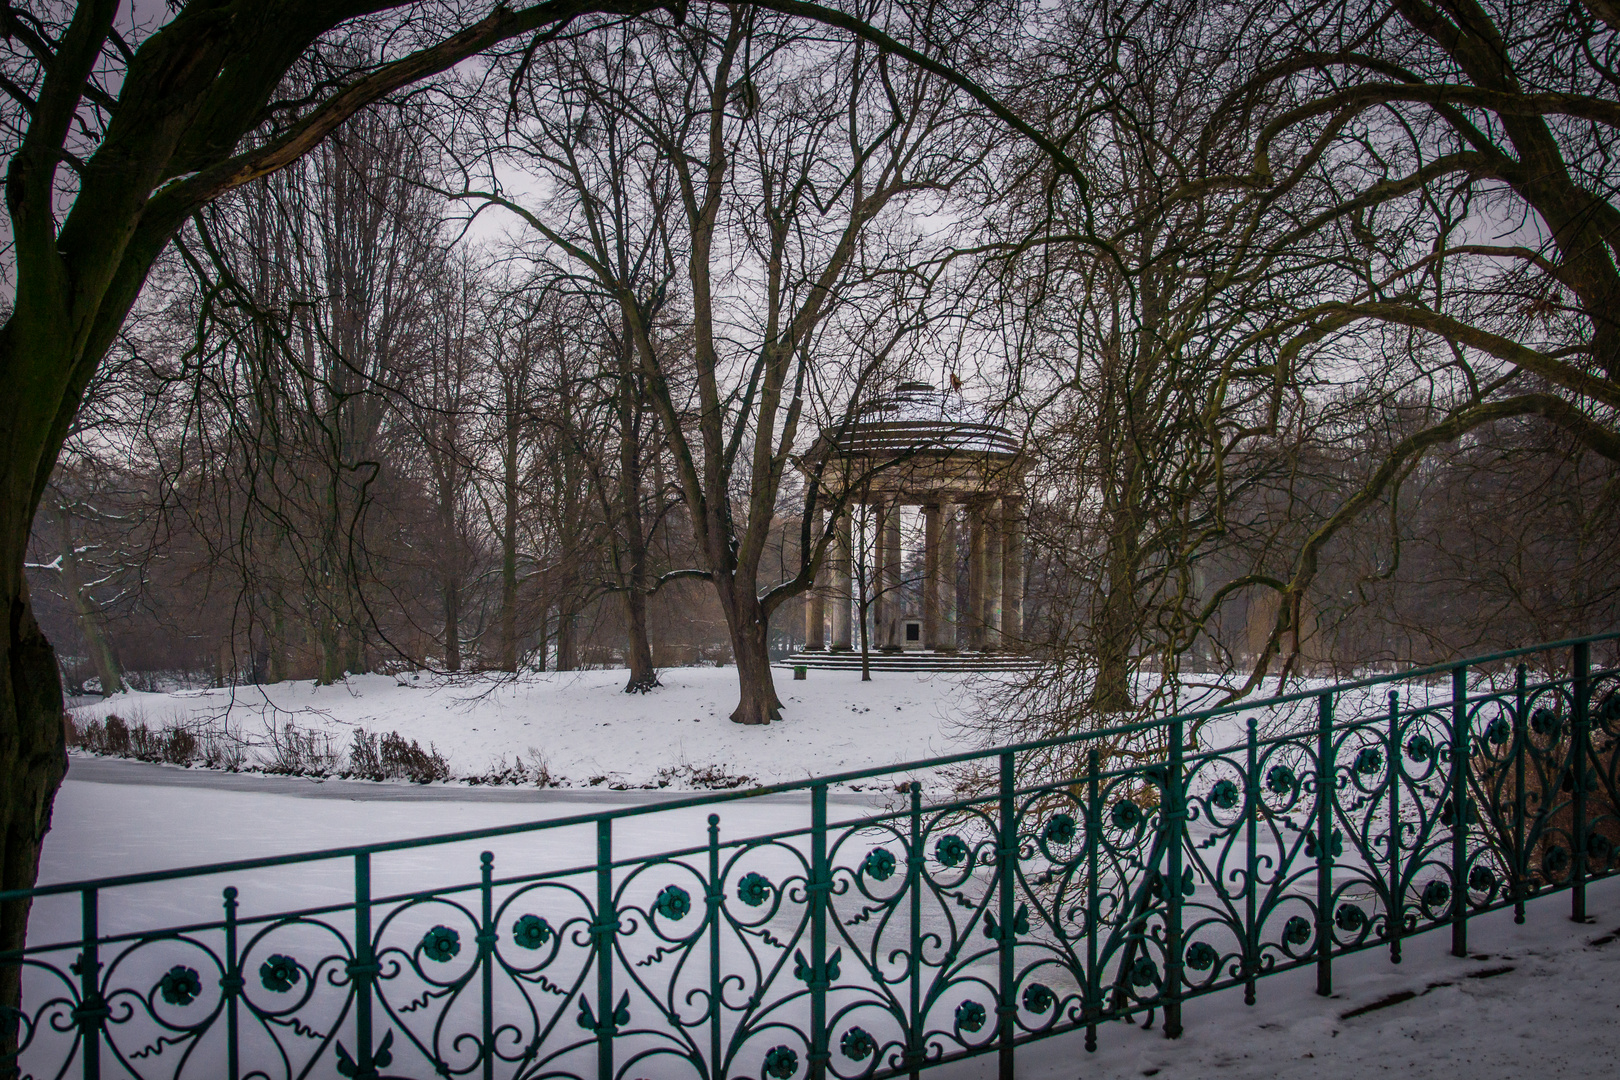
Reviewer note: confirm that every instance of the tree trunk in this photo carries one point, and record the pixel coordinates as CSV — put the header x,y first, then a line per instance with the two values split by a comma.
x,y
1116,628
509,511
33,761
745,623
643,676
566,658
452,623
637,649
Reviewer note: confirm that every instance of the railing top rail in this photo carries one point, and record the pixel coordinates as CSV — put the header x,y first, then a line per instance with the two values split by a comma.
x,y
720,798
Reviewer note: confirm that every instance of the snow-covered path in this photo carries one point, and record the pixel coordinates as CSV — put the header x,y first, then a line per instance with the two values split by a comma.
x,y
1539,1000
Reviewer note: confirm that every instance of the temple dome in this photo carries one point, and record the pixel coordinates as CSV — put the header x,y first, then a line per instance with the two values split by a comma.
x,y
916,418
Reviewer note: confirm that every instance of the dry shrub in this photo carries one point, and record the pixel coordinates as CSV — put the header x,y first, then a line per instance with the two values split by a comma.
x,y
295,751
392,755
519,773
408,759
365,763
704,777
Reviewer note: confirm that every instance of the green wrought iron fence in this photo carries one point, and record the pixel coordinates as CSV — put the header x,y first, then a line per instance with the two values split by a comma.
x,y
857,938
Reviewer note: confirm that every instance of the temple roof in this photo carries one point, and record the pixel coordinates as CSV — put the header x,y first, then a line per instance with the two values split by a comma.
x,y
916,418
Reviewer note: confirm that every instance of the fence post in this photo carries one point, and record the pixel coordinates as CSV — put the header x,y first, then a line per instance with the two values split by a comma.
x,y
1251,814
820,883
1006,868
1397,889
1094,1004
1324,847
92,1010
231,984
1521,741
1581,664
1176,818
486,959
914,868
713,899
1459,810
363,971
607,925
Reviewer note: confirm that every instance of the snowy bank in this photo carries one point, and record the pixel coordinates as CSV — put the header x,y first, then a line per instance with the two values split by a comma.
x,y
579,729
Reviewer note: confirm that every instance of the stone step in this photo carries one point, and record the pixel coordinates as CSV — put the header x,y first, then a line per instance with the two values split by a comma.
x,y
911,661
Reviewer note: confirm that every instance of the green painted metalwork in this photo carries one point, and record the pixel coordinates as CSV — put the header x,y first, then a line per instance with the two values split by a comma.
x,y
936,924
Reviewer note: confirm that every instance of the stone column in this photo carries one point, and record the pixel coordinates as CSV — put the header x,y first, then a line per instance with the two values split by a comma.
x,y
992,578
975,604
815,605
889,582
1012,572
947,582
931,575
841,603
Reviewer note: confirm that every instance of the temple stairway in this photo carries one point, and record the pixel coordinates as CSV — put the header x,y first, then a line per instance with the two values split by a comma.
x,y
911,660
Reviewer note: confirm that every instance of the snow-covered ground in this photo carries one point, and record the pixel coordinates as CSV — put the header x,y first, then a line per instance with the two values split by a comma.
x,y
586,732
1536,1000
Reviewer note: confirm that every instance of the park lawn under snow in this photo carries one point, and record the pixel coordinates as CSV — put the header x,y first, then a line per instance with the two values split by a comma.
x,y
586,731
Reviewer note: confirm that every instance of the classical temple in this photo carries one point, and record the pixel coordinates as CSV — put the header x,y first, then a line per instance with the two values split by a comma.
x,y
918,446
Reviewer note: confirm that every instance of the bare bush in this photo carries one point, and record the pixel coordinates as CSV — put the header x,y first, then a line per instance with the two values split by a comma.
x,y
295,751
408,759
535,771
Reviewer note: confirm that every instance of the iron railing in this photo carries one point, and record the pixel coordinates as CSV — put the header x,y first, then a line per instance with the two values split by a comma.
x,y
858,937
